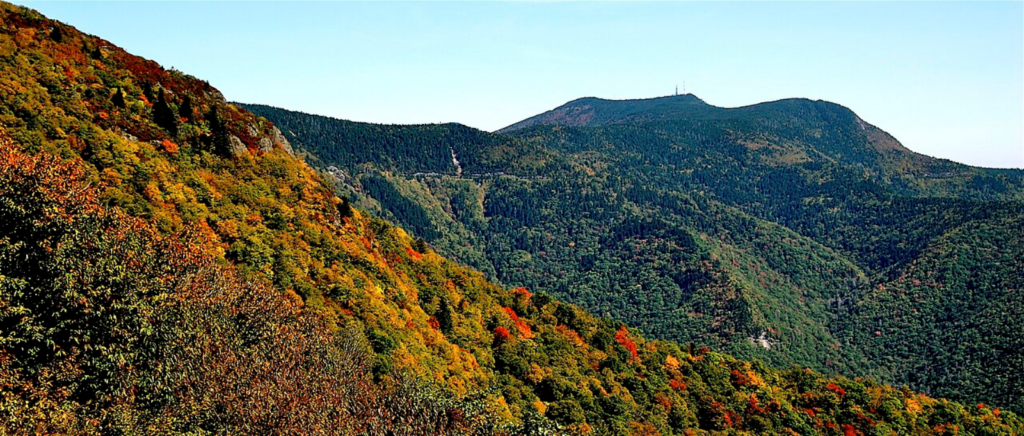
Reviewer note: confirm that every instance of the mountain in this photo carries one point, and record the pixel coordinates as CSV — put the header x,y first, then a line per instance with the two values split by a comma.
x,y
168,265
796,131
764,231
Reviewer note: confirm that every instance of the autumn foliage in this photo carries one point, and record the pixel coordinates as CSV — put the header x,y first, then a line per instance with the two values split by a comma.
x,y
110,325
154,282
622,337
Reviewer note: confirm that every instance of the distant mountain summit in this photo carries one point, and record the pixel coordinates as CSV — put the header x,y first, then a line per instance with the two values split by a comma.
x,y
795,131
593,111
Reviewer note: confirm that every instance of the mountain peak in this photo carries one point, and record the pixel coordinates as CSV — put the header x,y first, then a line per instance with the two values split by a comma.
x,y
594,111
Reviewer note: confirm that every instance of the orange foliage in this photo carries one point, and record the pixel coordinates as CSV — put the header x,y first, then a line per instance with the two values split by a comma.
x,y
569,333
433,323
415,255
521,326
671,362
643,429
678,385
169,146
664,401
848,430
622,337
739,379
501,335
511,313
752,405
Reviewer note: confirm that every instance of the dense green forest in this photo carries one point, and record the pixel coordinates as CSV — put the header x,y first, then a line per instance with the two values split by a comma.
x,y
169,266
765,231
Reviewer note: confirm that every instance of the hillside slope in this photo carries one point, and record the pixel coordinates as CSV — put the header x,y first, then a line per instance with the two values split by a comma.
x,y
167,266
754,230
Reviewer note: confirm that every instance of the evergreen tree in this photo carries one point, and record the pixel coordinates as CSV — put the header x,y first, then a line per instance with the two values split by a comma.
x,y
221,143
57,35
186,110
345,208
118,99
164,116
420,245
148,91
444,315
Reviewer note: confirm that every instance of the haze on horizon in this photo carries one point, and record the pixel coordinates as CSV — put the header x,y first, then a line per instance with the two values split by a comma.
x,y
946,79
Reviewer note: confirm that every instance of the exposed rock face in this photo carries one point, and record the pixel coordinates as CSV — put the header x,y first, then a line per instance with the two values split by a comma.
x,y
237,146
282,141
266,145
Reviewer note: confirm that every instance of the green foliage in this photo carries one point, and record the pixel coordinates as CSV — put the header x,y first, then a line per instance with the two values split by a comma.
x,y
241,299
757,230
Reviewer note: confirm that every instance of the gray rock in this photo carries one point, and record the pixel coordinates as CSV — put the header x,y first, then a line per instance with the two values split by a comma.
x,y
279,139
266,145
237,147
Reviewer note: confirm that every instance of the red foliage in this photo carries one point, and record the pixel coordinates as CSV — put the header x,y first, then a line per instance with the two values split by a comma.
x,y
511,313
739,379
752,406
433,323
415,255
501,335
732,419
865,420
522,292
622,337
848,430
678,385
664,401
524,329
809,411
835,388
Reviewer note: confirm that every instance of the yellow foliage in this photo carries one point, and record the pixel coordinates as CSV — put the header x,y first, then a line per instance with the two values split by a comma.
x,y
671,362
913,406
540,406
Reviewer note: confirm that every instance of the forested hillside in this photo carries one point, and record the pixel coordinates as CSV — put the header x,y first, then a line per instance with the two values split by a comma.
x,y
168,266
763,230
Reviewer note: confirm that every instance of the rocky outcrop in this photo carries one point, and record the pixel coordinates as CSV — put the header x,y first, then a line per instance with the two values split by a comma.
x,y
280,140
237,146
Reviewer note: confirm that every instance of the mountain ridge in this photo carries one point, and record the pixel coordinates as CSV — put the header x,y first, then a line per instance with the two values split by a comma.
x,y
611,193
167,265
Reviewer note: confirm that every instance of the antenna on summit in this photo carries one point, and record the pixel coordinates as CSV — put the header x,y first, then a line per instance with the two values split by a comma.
x,y
677,89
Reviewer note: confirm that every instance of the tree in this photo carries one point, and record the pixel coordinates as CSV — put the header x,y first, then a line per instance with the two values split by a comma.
x,y
164,116
345,208
444,315
186,110
118,98
221,142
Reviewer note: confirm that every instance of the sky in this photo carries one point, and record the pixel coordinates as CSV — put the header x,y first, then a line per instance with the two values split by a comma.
x,y
945,78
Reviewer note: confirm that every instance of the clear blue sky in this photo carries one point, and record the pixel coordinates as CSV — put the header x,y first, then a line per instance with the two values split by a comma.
x,y
947,79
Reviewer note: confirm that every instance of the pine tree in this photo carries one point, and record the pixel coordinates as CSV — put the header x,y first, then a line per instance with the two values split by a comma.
x,y
219,132
345,208
164,116
57,35
444,315
186,110
118,98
